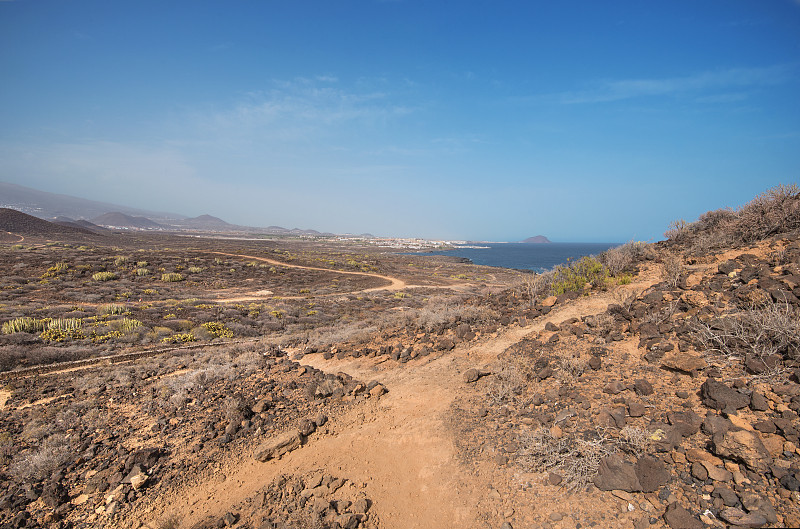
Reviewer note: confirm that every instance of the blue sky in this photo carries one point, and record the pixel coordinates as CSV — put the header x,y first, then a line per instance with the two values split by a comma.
x,y
580,120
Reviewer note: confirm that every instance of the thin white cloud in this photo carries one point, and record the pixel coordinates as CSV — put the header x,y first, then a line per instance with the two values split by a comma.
x,y
299,109
700,84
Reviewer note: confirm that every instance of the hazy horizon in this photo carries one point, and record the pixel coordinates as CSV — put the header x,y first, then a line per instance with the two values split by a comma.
x,y
582,121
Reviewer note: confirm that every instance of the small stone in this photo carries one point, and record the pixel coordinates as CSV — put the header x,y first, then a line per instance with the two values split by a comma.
x,y
621,494
684,362
472,375
679,518
554,479
758,402
642,387
307,427
636,409
699,471
320,419
716,473
556,517
614,387
230,519
377,391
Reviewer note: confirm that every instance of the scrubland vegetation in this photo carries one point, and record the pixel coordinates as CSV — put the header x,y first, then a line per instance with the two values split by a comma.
x,y
651,385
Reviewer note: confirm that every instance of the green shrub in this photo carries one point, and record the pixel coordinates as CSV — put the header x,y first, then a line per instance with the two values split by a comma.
x,y
104,276
142,272
218,330
195,269
59,335
112,308
141,264
127,325
120,260
574,277
65,324
24,324
172,277
58,268
179,338
102,338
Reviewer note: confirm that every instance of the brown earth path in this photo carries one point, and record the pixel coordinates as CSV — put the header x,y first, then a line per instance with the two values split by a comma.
x,y
399,447
395,283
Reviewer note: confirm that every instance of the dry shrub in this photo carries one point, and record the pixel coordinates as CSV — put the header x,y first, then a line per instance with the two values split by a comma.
x,y
508,382
40,463
635,440
444,313
769,331
622,258
359,332
537,286
576,460
570,367
775,211
671,269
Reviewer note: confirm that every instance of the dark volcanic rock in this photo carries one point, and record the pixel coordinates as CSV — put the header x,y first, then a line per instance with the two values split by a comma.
x,y
617,474
679,518
651,473
642,387
718,396
687,422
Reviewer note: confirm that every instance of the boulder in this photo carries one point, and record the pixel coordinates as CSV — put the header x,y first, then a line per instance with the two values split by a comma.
x,y
718,396
651,473
745,446
617,474
279,445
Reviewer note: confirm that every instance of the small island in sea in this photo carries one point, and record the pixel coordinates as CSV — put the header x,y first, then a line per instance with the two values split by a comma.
x,y
539,239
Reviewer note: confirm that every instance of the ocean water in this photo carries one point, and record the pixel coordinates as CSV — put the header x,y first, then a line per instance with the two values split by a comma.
x,y
537,257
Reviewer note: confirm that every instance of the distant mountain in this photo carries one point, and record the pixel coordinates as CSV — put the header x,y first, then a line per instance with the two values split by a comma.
x,y
23,224
117,219
68,210
51,205
539,239
206,223
82,224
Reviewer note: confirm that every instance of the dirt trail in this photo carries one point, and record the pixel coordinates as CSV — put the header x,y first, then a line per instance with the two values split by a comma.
x,y
394,283
21,238
399,446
